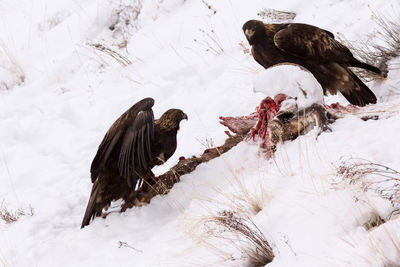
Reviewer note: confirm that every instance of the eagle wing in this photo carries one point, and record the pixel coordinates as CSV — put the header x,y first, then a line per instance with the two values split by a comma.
x,y
132,133
310,42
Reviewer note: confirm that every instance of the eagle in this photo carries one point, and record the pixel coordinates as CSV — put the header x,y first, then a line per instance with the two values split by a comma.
x,y
313,49
133,145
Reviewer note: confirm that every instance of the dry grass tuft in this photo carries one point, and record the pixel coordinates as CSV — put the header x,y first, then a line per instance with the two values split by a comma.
x,y
247,200
11,65
381,48
210,42
207,143
246,49
124,21
124,61
257,250
385,182
378,178
9,216
276,16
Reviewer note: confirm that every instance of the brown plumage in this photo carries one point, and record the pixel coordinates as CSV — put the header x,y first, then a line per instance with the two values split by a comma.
x,y
314,49
133,145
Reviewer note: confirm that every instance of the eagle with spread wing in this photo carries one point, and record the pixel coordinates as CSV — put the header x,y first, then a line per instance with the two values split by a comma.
x,y
314,49
133,145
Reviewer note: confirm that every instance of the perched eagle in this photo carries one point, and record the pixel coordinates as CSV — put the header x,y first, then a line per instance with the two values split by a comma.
x,y
314,49
133,145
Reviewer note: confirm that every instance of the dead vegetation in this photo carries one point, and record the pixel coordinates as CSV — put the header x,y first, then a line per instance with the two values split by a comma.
x,y
121,59
9,216
253,244
124,21
210,42
245,48
245,201
10,65
213,10
276,16
207,143
373,177
123,24
52,21
382,46
124,244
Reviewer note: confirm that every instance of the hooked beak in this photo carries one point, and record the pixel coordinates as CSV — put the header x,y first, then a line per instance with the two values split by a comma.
x,y
249,33
184,117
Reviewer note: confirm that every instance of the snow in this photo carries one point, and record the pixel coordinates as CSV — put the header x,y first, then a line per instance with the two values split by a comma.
x,y
291,80
184,56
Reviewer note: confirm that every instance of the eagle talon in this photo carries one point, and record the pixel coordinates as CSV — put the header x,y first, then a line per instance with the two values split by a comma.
x,y
141,202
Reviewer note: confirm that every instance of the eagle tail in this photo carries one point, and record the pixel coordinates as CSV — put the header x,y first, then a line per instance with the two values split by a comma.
x,y
361,95
90,209
359,64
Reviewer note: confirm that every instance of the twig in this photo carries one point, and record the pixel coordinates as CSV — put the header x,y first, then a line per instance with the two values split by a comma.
x,y
125,244
370,176
260,252
124,61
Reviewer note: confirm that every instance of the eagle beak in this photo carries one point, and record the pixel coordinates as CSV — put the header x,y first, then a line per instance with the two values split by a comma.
x,y
249,33
184,117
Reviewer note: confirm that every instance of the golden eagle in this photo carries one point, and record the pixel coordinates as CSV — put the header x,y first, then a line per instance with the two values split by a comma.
x,y
133,145
314,49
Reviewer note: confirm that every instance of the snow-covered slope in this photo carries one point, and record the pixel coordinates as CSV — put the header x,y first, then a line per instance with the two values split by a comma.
x,y
191,55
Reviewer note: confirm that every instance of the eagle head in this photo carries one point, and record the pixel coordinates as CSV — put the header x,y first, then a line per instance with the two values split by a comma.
x,y
171,118
253,29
